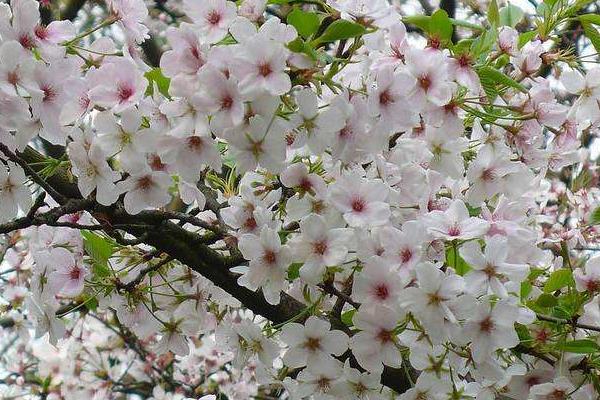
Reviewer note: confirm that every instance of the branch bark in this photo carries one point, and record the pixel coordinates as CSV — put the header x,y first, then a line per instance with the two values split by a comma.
x,y
188,248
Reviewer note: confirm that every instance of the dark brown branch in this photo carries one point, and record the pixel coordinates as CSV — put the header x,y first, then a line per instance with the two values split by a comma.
x,y
32,174
189,248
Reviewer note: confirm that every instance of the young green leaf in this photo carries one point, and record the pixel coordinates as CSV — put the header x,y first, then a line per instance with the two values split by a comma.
x,y
454,260
581,346
100,249
500,78
558,280
595,217
347,317
306,23
511,15
591,18
592,34
440,26
341,29
546,300
155,76
493,13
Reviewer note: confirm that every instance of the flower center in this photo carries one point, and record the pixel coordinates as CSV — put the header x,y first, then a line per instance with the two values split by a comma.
x,y
425,82
26,41
213,17
358,205
144,183
454,230
385,336
264,70
487,325
226,102
488,174
269,257
405,255
195,143
382,292
385,98
312,344
75,273
124,92
320,247
41,32
49,93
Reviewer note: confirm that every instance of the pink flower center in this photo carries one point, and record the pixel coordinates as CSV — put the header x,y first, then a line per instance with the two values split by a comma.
x,y
226,102
320,247
486,325
405,255
250,224
144,183
385,98
464,60
195,143
75,273
488,174
84,102
345,132
305,184
12,78
592,285
155,162
213,17
533,380
382,292
124,92
26,41
454,230
425,82
385,336
41,32
312,344
269,257
358,205
264,70
49,93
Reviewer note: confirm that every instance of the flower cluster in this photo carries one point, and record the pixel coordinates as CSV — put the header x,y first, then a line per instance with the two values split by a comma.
x,y
300,200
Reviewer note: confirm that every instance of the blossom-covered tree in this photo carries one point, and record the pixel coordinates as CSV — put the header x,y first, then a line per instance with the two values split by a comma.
x,y
299,199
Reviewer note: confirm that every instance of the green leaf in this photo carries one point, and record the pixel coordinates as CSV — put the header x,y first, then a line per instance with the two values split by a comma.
x,y
341,29
526,37
300,46
511,15
583,180
522,332
592,34
347,317
558,280
294,271
440,26
595,217
420,21
99,249
484,43
546,300
490,73
454,260
493,13
155,76
306,23
591,18
526,288
581,346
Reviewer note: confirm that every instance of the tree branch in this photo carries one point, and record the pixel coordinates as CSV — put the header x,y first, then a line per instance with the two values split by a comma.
x,y
189,248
